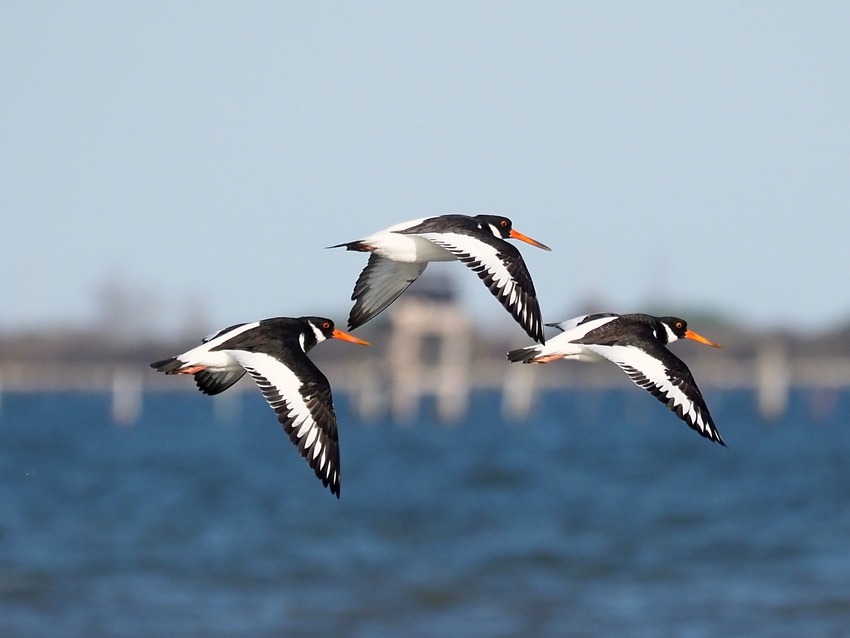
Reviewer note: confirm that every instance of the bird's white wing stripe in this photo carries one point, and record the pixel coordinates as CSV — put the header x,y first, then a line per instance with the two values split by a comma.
x,y
220,339
219,360
305,423
311,438
655,373
285,381
397,228
227,333
488,257
636,358
573,331
481,251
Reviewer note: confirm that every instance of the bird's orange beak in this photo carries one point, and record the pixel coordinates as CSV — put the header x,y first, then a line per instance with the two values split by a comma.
x,y
690,334
339,334
515,234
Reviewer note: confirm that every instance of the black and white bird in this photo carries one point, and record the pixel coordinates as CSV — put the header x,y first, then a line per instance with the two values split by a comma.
x,y
400,253
274,353
637,343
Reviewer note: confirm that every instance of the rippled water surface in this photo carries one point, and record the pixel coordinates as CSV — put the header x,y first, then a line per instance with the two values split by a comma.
x,y
601,515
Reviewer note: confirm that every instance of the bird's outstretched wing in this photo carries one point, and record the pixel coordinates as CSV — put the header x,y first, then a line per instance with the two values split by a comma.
x,y
380,284
502,269
668,379
303,407
213,383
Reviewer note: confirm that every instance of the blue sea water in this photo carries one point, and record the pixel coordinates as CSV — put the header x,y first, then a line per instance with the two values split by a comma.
x,y
601,515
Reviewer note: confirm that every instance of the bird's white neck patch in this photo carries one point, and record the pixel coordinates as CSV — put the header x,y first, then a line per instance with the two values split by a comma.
x,y
319,336
671,336
301,342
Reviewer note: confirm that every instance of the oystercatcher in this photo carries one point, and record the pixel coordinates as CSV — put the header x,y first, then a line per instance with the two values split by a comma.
x,y
274,353
400,253
636,343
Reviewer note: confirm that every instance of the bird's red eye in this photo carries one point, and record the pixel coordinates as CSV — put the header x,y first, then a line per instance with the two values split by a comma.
x,y
327,324
503,223
678,324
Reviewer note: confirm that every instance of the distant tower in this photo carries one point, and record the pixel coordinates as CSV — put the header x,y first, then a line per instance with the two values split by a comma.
x,y
430,351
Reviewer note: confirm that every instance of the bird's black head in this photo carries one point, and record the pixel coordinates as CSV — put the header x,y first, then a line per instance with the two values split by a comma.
x,y
677,328
503,228
499,226
323,328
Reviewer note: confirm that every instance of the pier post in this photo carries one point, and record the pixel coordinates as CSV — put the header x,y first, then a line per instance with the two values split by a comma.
x,y
430,352
518,391
773,378
126,396
369,391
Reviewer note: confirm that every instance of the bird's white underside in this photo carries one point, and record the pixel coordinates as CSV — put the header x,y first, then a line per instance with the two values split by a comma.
x,y
219,360
406,248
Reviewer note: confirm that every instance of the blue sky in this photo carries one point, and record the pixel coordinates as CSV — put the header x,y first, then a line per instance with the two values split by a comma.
x,y
200,155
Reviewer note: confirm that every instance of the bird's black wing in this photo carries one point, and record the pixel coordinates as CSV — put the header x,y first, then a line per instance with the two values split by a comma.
x,y
301,397
502,269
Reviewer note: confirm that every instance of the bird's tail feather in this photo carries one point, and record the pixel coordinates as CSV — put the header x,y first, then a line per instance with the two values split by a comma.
x,y
168,366
358,245
524,355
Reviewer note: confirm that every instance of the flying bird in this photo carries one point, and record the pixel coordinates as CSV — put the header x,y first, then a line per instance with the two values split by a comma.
x,y
637,344
400,253
274,352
